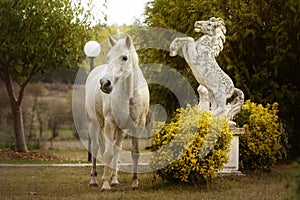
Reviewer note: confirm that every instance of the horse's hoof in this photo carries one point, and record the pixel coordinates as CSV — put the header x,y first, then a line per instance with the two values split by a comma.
x,y
105,190
114,184
94,185
136,187
105,187
231,124
135,184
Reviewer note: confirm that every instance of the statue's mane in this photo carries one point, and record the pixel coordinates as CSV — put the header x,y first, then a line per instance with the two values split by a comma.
x,y
218,38
219,35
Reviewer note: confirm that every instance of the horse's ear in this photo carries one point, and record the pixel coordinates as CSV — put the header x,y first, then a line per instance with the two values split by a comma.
x,y
128,41
112,41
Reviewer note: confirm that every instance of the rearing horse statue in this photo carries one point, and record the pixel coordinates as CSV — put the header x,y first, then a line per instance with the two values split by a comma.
x,y
215,84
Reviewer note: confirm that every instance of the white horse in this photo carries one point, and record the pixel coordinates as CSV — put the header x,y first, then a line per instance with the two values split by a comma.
x,y
117,102
215,84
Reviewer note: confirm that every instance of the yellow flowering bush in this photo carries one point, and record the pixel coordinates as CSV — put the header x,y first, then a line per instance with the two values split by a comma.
x,y
192,147
259,145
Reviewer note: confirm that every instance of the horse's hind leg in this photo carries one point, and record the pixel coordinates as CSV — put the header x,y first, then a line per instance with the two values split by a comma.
x,y
220,100
135,155
117,147
203,98
93,131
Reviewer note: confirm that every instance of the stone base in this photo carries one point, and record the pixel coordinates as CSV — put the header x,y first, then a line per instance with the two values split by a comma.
x,y
227,172
232,166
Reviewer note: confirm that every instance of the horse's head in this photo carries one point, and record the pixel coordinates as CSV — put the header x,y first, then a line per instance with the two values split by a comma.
x,y
214,27
121,58
210,26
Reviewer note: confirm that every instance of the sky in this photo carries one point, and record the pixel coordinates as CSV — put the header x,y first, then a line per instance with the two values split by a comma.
x,y
119,12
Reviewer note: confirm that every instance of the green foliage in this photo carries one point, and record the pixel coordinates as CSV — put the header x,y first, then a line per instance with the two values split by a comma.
x,y
39,36
192,147
259,145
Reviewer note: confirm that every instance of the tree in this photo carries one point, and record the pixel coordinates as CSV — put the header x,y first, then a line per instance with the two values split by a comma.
x,y
36,37
262,48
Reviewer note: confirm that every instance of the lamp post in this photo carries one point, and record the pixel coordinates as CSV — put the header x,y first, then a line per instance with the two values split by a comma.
x,y
92,49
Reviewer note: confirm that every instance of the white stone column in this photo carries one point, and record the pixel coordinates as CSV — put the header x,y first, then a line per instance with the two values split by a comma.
x,y
232,166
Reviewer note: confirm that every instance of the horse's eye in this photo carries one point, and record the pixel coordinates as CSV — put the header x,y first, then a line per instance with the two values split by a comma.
x,y
124,58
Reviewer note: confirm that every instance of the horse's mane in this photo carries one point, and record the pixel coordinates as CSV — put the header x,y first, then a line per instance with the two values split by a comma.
x,y
135,58
218,38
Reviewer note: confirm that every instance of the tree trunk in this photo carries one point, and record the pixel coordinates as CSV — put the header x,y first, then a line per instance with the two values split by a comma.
x,y
19,128
16,109
32,136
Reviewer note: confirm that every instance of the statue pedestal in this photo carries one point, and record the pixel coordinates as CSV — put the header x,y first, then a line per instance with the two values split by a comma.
x,y
232,166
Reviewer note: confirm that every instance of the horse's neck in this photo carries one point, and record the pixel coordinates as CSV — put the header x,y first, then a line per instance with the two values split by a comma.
x,y
197,55
128,86
124,88
212,43
206,41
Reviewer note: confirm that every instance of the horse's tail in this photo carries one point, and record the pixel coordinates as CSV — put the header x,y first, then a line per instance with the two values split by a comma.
x,y
237,103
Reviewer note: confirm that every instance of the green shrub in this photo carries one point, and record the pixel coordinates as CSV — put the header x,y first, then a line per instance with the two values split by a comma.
x,y
260,144
192,147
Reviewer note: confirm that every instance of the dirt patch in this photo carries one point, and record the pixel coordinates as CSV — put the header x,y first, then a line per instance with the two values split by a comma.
x,y
31,155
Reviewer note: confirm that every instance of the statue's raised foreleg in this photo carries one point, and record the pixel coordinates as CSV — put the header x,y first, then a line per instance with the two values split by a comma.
x,y
177,44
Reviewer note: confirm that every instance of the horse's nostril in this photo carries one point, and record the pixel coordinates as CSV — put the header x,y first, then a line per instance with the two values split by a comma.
x,y
105,83
108,83
106,86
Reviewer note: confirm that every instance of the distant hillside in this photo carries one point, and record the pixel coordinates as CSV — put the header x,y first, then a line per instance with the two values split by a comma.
x,y
61,75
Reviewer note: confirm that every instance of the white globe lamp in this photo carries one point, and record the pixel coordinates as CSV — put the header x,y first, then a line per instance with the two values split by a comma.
x,y
92,49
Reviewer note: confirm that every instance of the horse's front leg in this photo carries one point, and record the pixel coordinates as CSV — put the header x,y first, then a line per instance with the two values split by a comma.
x,y
174,47
107,156
117,147
93,131
135,155
177,44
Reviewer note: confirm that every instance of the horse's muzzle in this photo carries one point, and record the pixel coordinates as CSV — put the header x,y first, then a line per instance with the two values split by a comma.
x,y
105,86
198,26
173,53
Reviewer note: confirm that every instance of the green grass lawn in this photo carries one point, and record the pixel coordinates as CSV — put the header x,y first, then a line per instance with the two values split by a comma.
x,y
72,183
